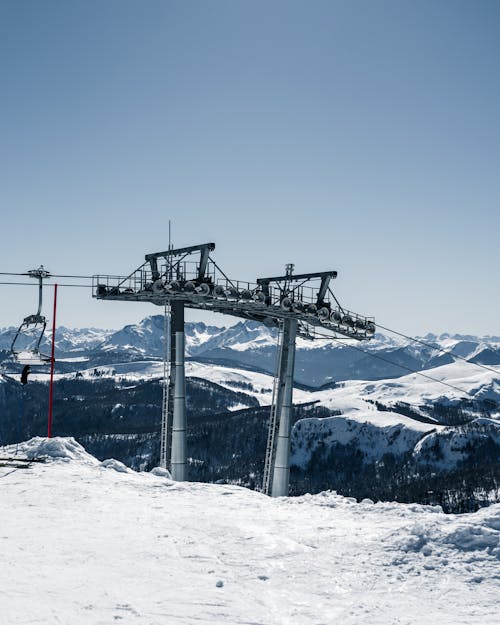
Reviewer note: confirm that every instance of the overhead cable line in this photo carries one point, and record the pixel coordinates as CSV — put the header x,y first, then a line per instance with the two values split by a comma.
x,y
83,286
51,275
434,347
424,375
437,348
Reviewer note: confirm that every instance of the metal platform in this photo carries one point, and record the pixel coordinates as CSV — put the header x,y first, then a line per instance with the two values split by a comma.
x,y
203,285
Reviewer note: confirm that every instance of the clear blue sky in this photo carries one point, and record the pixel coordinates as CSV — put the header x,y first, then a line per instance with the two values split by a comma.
x,y
361,136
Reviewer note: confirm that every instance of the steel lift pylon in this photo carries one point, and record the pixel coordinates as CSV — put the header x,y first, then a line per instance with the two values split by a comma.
x,y
277,460
178,461
174,280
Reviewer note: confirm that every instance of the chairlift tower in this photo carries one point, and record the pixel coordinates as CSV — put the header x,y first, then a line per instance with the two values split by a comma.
x,y
296,304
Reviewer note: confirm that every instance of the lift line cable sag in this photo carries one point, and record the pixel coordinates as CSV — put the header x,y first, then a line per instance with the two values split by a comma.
x,y
51,275
415,340
82,286
436,348
428,377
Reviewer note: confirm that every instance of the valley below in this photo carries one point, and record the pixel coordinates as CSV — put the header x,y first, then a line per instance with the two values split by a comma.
x,y
362,427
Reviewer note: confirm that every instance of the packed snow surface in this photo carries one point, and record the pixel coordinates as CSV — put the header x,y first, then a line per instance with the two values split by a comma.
x,y
85,542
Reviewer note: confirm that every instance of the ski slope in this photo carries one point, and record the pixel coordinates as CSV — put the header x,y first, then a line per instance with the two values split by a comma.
x,y
90,543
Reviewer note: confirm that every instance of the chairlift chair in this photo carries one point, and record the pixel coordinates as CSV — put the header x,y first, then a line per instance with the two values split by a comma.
x,y
25,347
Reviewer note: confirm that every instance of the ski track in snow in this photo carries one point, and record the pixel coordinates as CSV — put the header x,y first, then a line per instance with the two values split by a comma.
x,y
90,543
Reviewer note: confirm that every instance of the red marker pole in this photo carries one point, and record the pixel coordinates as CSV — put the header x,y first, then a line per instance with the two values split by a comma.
x,y
52,363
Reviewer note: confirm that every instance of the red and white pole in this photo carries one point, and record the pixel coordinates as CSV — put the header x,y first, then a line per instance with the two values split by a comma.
x,y
52,363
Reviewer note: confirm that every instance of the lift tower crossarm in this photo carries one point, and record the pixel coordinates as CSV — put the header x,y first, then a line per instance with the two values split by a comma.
x,y
325,276
298,276
204,249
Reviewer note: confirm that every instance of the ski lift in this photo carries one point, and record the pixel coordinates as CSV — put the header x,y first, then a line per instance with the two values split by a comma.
x,y
25,347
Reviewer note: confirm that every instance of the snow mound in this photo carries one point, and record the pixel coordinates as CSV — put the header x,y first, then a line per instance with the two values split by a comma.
x,y
59,448
475,538
477,534
116,465
480,532
161,472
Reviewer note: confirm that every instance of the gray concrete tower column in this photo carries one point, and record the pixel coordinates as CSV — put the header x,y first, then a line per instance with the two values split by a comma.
x,y
179,436
281,470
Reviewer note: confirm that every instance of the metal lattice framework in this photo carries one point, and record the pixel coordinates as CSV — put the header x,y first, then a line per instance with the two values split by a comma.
x,y
201,284
297,304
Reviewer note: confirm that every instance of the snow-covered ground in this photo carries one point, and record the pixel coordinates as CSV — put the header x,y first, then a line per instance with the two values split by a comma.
x,y
84,543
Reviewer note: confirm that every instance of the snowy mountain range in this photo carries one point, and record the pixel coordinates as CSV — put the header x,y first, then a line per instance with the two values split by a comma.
x,y
252,345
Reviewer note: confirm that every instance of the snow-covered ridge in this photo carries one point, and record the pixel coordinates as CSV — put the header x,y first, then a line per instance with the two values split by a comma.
x,y
253,345
446,447
85,544
363,422
446,384
371,418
